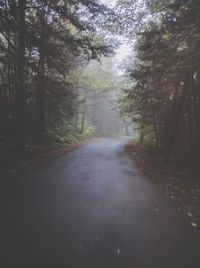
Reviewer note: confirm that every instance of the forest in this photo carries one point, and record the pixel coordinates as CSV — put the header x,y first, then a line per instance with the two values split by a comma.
x,y
100,133
59,83
164,99
46,79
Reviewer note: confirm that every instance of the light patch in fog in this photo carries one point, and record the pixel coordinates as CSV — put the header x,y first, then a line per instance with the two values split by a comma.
x,y
122,52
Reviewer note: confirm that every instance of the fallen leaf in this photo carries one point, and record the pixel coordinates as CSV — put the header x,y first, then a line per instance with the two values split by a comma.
x,y
194,224
189,214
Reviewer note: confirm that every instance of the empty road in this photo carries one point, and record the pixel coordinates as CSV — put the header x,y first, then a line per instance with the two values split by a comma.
x,y
94,209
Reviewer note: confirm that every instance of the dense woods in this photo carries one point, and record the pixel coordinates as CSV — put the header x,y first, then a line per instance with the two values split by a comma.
x,y
56,84
100,133
164,98
41,42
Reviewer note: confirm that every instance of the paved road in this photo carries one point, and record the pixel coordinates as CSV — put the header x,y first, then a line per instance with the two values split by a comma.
x,y
94,209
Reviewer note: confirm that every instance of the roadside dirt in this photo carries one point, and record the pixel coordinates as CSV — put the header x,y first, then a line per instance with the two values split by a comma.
x,y
183,190
34,158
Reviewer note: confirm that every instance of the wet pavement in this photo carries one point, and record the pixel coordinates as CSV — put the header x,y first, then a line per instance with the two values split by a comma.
x,y
94,209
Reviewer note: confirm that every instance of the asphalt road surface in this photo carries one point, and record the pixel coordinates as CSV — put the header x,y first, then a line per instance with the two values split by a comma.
x,y
94,209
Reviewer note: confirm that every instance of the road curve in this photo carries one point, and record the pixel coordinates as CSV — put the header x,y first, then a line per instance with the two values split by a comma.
x,y
94,209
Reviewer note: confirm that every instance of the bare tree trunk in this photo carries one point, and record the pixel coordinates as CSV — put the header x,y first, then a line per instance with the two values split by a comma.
x,y
196,152
20,83
83,113
156,132
41,100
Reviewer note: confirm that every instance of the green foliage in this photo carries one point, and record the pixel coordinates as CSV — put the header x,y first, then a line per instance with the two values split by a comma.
x,y
67,133
95,76
164,97
41,42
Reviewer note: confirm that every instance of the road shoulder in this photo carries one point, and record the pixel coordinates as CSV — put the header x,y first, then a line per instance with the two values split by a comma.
x,y
183,191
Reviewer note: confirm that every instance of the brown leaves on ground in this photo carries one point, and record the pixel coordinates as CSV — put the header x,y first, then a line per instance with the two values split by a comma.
x,y
35,157
182,190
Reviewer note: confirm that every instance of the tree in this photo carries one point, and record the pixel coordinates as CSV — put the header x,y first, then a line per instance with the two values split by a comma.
x,y
164,98
40,42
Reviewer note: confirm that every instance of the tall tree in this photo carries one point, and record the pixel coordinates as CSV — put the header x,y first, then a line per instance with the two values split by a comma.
x,y
40,42
20,81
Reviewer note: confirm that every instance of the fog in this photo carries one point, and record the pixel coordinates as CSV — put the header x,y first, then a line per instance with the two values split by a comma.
x,y
99,88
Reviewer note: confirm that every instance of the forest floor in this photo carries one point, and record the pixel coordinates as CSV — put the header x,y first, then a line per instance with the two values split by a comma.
x,y
184,191
36,157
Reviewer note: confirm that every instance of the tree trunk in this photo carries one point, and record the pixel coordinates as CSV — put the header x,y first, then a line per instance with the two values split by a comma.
x,y
196,151
41,100
156,132
20,83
